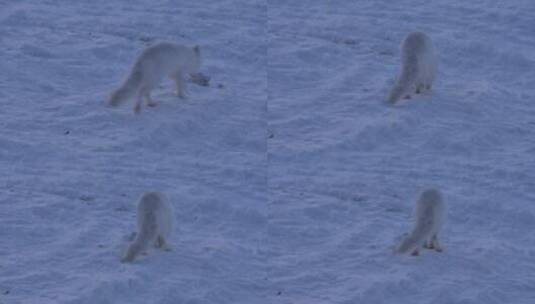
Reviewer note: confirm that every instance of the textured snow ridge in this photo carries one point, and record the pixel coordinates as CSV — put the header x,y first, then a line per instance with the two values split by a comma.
x,y
291,179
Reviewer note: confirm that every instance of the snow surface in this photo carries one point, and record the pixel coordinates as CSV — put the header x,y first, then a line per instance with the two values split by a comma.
x,y
290,177
345,169
73,169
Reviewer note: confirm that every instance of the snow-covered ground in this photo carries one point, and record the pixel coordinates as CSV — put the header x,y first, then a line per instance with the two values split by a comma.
x,y
345,169
72,169
291,179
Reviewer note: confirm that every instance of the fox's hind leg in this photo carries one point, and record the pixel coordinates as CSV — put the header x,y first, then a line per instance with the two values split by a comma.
x,y
160,242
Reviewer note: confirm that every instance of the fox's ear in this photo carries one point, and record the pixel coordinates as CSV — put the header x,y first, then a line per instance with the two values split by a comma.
x,y
197,49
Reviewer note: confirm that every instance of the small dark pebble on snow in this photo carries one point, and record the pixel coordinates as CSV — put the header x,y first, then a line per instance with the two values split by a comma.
x,y
87,198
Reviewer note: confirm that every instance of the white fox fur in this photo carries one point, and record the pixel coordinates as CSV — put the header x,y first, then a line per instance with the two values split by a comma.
x,y
418,67
156,62
154,224
429,213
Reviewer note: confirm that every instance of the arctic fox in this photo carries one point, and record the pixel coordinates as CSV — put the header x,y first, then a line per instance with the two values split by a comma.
x,y
430,213
418,67
155,63
154,224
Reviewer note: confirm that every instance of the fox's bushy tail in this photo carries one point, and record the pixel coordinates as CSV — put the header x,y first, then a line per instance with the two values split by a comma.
x,y
127,89
146,234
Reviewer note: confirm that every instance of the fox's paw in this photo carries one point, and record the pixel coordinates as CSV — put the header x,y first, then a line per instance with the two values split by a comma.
x,y
152,104
429,245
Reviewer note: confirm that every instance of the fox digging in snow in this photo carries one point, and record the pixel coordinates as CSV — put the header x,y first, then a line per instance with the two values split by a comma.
x,y
418,67
154,224
430,213
156,62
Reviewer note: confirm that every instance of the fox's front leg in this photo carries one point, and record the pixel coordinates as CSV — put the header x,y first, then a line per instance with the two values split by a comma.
x,y
162,244
139,101
180,85
435,244
148,99
420,88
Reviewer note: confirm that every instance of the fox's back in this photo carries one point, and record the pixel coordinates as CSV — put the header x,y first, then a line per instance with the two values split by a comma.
x,y
166,58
